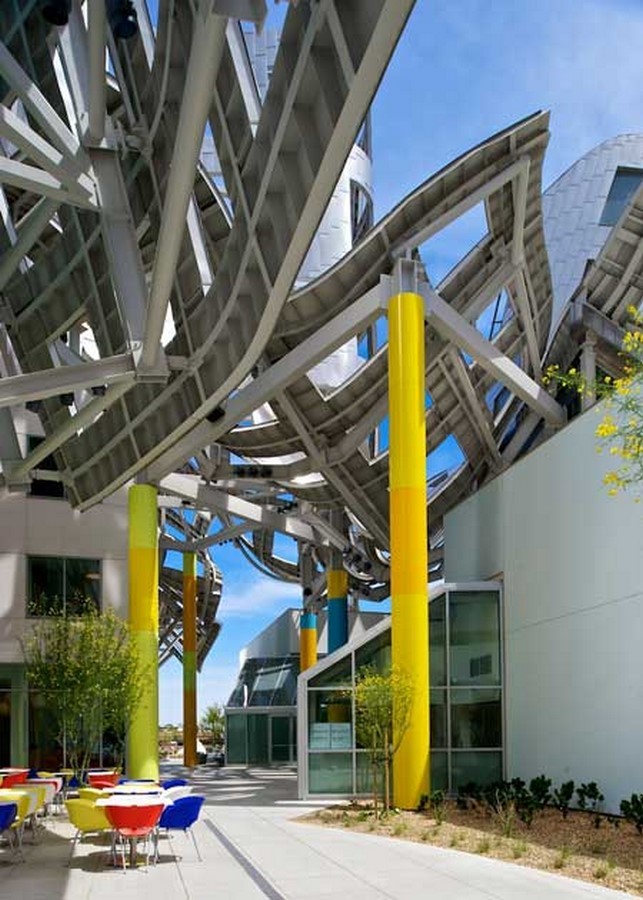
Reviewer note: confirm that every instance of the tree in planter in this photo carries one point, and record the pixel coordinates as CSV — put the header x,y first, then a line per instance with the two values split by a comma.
x,y
382,715
87,672
213,724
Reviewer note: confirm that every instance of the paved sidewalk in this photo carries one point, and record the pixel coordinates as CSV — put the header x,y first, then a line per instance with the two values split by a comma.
x,y
253,847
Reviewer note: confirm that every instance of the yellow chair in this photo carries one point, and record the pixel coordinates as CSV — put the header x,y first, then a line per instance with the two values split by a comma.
x,y
24,801
87,818
90,793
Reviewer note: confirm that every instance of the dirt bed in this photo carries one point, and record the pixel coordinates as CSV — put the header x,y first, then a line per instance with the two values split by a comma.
x,y
608,855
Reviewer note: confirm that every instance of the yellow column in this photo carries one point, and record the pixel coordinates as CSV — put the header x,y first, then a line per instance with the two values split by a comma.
x,y
408,525
189,660
142,755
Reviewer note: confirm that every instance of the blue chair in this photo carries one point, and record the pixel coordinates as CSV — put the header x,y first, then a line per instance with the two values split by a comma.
x,y
8,813
181,816
173,782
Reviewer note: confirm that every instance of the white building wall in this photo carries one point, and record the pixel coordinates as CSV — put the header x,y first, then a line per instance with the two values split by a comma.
x,y
49,527
572,559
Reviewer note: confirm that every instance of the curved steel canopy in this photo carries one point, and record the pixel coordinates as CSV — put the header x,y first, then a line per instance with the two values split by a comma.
x,y
109,221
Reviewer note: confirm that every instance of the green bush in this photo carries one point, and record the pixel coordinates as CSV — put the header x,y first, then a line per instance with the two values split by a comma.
x,y
632,810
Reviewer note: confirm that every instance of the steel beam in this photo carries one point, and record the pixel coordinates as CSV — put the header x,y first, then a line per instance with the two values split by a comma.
x,y
454,327
82,419
28,231
97,80
30,178
65,379
288,369
205,55
42,111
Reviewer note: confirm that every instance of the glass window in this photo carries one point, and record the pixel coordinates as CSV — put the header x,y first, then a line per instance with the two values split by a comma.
x,y
376,654
438,724
338,675
437,641
329,720
474,624
476,718
330,773
45,579
82,585
483,768
62,585
439,771
626,183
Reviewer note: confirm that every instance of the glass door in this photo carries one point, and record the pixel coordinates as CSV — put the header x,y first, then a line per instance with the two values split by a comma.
x,y
281,739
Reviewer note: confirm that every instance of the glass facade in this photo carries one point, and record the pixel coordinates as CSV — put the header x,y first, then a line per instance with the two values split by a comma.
x,y
261,737
466,708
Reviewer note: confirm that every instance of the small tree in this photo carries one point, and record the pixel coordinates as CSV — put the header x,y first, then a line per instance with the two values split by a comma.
x,y
382,714
88,673
213,723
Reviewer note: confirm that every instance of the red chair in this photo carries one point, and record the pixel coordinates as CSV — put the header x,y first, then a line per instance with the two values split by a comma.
x,y
102,779
133,822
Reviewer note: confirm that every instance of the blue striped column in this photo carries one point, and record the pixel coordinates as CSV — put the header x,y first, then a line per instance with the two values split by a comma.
x,y
336,588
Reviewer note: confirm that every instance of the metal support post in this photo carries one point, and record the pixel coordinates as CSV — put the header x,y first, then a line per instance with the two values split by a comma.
x,y
308,618
337,588
189,659
142,748
408,526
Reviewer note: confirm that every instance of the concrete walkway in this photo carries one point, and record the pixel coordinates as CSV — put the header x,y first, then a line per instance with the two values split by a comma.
x,y
253,847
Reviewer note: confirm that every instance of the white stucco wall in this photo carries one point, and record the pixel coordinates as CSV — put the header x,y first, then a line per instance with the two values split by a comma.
x,y
44,527
572,559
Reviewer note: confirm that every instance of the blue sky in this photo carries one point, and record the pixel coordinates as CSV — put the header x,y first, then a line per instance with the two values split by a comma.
x,y
460,72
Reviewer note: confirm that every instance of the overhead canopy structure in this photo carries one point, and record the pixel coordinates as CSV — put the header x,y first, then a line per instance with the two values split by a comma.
x,y
182,289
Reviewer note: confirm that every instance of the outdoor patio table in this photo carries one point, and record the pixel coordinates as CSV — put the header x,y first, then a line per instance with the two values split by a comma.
x,y
130,801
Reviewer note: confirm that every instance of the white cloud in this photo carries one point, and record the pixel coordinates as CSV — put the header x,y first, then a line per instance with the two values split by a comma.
x,y
258,596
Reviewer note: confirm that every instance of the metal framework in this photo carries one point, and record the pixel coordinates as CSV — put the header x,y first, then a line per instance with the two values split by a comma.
x,y
112,231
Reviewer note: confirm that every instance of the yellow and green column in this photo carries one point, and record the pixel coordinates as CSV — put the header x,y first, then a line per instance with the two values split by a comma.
x,y
142,748
408,527
189,659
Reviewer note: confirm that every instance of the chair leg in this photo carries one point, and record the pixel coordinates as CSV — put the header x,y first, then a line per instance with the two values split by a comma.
x,y
195,843
73,847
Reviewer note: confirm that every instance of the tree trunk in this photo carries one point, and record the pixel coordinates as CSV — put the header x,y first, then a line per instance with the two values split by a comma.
x,y
387,775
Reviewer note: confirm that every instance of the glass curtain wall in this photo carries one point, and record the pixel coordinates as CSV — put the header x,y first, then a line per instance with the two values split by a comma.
x,y
465,699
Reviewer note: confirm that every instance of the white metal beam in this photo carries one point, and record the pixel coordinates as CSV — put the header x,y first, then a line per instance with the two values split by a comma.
x,y
29,178
42,153
121,244
521,296
74,424
205,55
42,111
28,232
206,497
289,368
419,236
65,379
454,327
97,80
